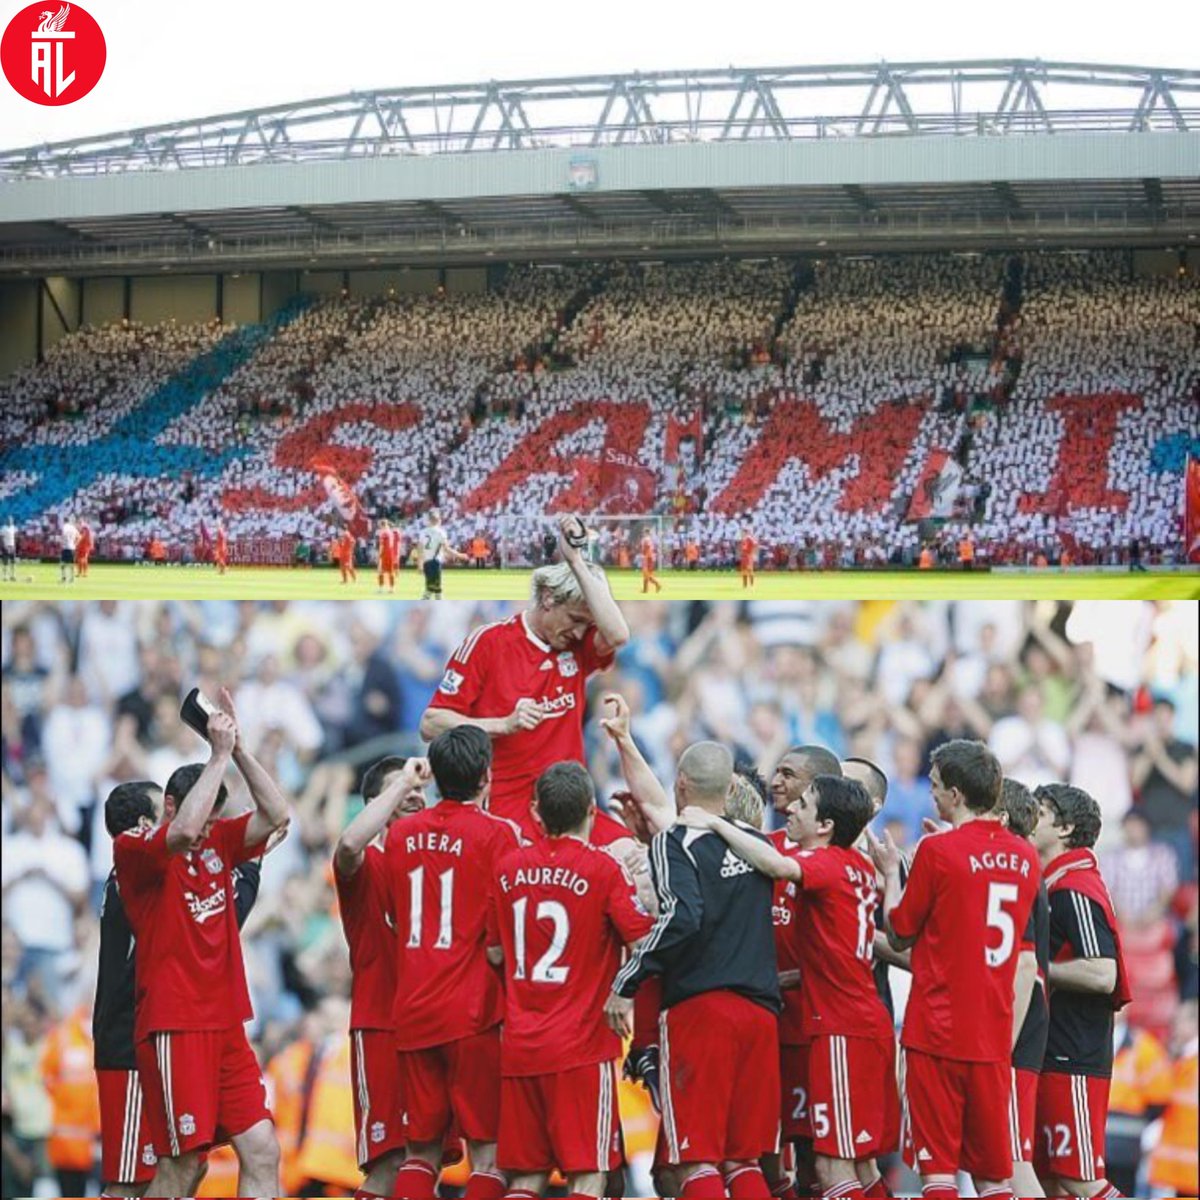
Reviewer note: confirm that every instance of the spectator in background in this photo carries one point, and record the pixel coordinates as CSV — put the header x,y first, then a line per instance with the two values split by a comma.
x,y
1141,874
1164,775
909,798
27,1113
1031,747
26,679
376,702
75,741
45,883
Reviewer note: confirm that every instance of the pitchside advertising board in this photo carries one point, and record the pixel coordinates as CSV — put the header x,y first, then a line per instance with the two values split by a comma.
x,y
53,54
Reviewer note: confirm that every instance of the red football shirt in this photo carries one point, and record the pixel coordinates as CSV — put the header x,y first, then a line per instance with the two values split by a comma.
x,y
749,545
837,902
785,915
189,972
363,906
562,910
439,866
969,904
496,666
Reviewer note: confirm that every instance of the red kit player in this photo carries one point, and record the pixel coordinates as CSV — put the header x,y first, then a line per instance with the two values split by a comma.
x,y
853,1107
967,912
83,551
392,789
389,554
562,911
524,681
649,561
221,549
447,1015
1088,984
346,546
200,1079
747,557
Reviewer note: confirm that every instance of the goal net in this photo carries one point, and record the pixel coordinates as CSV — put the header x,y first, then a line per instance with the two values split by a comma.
x,y
613,542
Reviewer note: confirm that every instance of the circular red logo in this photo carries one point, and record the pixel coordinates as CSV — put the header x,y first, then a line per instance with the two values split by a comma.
x,y
53,52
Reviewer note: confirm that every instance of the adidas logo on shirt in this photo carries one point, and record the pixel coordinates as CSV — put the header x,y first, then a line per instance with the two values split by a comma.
x,y
732,866
862,1139
923,1155
547,665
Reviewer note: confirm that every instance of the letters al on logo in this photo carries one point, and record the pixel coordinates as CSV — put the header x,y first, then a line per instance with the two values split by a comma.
x,y
53,52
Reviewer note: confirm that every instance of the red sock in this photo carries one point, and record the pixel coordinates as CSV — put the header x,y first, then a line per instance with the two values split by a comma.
x,y
705,1184
877,1190
520,1195
416,1180
747,1183
939,1191
486,1185
1109,1193
1000,1193
647,1004
850,1190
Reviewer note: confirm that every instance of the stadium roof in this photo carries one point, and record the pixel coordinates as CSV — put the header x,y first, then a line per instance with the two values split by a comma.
x,y
881,156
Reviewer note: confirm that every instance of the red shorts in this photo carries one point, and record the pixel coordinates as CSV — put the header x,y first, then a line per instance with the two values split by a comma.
x,y
853,1102
387,565
200,1087
1071,1114
793,1091
458,1082
567,1120
720,1095
127,1154
378,1101
1022,1110
958,1114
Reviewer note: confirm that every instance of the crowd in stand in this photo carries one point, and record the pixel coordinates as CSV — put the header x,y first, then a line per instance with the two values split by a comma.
x,y
1100,695
804,398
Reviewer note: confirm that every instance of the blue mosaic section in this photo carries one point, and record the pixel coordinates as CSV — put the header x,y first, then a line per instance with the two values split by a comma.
x,y
128,448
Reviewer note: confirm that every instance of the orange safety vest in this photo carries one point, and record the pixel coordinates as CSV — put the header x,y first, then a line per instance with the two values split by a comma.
x,y
328,1153
75,1101
478,548
221,1179
692,552
1141,1075
1173,1164
925,563
966,551
285,1081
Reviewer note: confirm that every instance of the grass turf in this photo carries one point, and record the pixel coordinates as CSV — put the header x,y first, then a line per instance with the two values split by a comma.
x,y
39,581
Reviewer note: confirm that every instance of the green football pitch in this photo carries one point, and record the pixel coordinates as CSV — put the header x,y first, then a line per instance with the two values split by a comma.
x,y
40,581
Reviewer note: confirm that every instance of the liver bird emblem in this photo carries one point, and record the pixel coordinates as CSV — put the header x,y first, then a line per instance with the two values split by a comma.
x,y
54,22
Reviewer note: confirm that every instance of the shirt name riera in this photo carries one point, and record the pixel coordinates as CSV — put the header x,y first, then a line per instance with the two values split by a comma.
x,y
442,843
546,877
999,862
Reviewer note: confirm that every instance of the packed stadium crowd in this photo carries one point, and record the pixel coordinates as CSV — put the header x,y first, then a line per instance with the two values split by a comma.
x,y
1100,697
1042,406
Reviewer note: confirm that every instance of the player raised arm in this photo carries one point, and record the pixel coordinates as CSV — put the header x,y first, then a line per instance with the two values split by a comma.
x,y
648,794
611,627
758,852
352,845
196,807
886,856
270,807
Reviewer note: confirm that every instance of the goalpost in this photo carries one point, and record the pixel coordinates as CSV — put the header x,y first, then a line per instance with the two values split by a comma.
x,y
613,542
